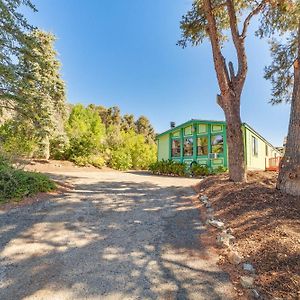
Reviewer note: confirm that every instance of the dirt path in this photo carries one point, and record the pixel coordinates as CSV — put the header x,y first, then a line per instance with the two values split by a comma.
x,y
115,236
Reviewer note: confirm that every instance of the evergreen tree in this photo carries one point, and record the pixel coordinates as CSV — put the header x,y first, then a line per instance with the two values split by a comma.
x,y
13,38
43,89
283,19
144,127
128,123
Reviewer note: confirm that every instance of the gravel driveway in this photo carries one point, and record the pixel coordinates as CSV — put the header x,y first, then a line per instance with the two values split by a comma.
x,y
115,236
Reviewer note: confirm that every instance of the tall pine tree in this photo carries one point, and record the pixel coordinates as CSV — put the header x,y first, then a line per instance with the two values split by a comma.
x,y
42,87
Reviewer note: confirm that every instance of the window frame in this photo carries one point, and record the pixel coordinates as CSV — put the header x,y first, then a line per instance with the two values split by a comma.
x,y
192,148
211,143
254,145
199,137
172,153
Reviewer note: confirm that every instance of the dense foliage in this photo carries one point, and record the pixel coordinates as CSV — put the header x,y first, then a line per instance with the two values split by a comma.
x,y
90,140
16,183
169,167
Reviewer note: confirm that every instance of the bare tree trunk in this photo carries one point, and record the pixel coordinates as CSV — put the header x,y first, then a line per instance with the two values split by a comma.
x,y
289,174
234,135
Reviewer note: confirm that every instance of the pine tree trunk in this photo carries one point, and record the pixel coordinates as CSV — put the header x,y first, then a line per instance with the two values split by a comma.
x,y
235,142
46,147
289,174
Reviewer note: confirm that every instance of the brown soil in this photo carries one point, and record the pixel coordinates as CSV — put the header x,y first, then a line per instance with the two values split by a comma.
x,y
266,224
46,166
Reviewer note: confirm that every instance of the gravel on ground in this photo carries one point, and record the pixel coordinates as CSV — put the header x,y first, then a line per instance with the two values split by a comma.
x,y
115,235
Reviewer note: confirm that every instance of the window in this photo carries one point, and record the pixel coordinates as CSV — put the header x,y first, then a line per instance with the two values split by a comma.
x,y
202,128
188,147
175,148
254,146
217,144
217,128
267,150
188,130
202,145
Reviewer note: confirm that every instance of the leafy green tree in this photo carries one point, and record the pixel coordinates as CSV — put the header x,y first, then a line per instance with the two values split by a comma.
x,y
144,127
128,123
43,89
13,38
134,152
217,20
283,19
87,136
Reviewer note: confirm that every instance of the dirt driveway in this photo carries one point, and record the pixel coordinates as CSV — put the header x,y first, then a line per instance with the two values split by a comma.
x,y
115,236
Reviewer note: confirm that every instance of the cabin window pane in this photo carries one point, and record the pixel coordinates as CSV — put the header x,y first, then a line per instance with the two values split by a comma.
x,y
267,150
254,146
188,130
202,145
175,148
217,144
188,147
202,128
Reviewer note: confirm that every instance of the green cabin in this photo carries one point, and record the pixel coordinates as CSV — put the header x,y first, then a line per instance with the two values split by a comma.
x,y
204,142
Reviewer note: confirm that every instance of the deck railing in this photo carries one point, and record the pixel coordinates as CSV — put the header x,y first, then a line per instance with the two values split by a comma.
x,y
274,163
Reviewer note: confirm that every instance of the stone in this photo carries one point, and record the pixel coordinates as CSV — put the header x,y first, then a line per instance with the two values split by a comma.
x,y
225,239
248,267
217,224
203,198
247,282
207,205
234,257
229,230
255,294
210,210
210,216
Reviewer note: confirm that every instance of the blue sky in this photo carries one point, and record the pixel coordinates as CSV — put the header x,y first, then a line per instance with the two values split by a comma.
x,y
124,53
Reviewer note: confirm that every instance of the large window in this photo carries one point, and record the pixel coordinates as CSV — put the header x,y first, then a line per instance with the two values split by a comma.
x,y
188,147
217,144
175,148
202,145
254,146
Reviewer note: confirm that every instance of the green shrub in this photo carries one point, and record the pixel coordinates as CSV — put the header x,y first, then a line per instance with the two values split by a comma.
x,y
219,170
59,147
17,139
120,160
168,167
132,152
16,183
199,170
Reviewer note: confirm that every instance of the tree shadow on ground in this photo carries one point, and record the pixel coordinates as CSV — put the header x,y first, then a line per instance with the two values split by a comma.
x,y
119,239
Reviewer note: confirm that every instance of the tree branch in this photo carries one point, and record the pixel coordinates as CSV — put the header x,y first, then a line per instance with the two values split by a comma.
x,y
254,12
238,80
219,63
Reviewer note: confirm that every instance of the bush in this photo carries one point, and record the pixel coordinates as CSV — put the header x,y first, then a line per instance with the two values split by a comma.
x,y
199,170
120,160
93,160
17,140
133,152
59,147
16,183
219,170
168,167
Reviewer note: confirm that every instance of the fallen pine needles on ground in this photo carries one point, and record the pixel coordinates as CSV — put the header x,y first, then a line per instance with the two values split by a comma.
x,y
266,224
